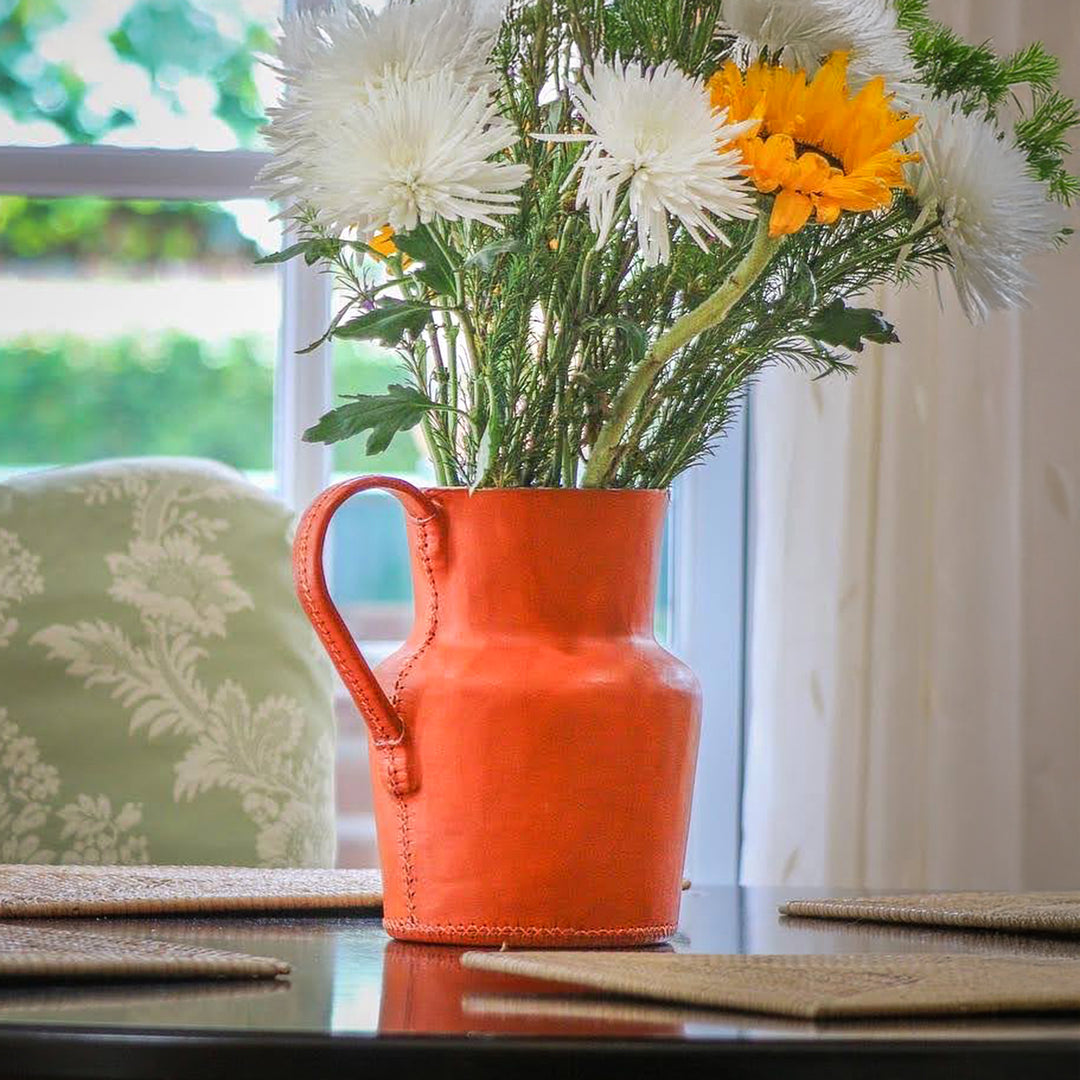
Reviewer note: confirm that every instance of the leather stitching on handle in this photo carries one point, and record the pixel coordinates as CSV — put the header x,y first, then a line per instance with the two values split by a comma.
x,y
341,661
392,748
397,773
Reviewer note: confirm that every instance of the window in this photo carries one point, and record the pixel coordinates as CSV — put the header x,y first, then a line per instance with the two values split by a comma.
x,y
374,589
128,151
114,339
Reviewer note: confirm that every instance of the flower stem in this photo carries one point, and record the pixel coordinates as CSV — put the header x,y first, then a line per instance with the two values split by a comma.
x,y
434,452
709,314
451,331
416,350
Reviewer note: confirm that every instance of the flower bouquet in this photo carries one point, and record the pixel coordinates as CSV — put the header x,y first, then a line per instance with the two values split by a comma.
x,y
586,226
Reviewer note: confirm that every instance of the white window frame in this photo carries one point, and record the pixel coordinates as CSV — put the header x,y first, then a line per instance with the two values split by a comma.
x,y
711,518
303,388
710,609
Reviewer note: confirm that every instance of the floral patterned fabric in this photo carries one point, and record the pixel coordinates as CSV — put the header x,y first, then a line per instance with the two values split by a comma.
x,y
162,698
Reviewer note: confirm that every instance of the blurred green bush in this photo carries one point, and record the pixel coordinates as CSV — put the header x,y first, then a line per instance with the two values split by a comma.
x,y
64,399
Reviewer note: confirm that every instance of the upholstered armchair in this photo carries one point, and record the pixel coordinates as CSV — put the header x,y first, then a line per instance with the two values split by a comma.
x,y
162,698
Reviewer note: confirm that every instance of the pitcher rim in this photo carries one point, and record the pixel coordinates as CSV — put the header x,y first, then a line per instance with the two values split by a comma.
x,y
434,489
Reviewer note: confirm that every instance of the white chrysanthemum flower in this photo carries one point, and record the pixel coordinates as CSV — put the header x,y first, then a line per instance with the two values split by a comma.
x,y
804,32
348,50
489,14
994,213
333,60
418,150
655,132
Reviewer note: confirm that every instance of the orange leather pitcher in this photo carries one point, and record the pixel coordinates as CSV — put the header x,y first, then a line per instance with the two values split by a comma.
x,y
532,746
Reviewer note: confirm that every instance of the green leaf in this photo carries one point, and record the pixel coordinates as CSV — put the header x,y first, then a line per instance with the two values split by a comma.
x,y
325,248
335,322
437,272
388,323
483,458
912,14
553,114
315,344
804,286
485,259
384,415
635,338
1033,66
313,249
837,324
284,256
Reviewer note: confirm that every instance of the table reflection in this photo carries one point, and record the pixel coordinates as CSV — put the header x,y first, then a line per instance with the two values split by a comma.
x,y
348,978
425,989
16,1002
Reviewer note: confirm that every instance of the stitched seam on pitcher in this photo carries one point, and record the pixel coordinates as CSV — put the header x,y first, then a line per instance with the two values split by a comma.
x,y
325,632
433,616
406,860
399,689
477,929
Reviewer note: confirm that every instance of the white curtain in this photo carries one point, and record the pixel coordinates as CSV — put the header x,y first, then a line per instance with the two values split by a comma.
x,y
915,643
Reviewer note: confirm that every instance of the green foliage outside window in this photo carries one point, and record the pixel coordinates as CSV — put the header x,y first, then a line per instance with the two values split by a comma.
x,y
126,235
168,39
64,399
32,90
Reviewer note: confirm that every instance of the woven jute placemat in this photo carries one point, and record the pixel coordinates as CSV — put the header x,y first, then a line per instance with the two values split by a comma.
x,y
66,891
37,952
811,987
1043,913
616,1014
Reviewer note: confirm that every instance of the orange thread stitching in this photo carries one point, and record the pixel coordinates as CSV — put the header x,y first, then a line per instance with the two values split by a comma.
x,y
477,929
340,660
406,859
433,617
399,689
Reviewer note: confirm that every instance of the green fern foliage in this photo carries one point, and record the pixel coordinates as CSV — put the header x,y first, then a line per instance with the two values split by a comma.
x,y
518,341
975,79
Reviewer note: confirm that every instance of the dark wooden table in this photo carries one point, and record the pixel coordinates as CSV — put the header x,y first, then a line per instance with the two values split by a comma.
x,y
359,1005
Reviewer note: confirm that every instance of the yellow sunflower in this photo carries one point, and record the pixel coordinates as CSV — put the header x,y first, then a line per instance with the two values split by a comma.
x,y
822,150
383,242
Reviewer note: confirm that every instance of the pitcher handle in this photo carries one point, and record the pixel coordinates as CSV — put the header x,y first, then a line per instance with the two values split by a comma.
x,y
387,728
